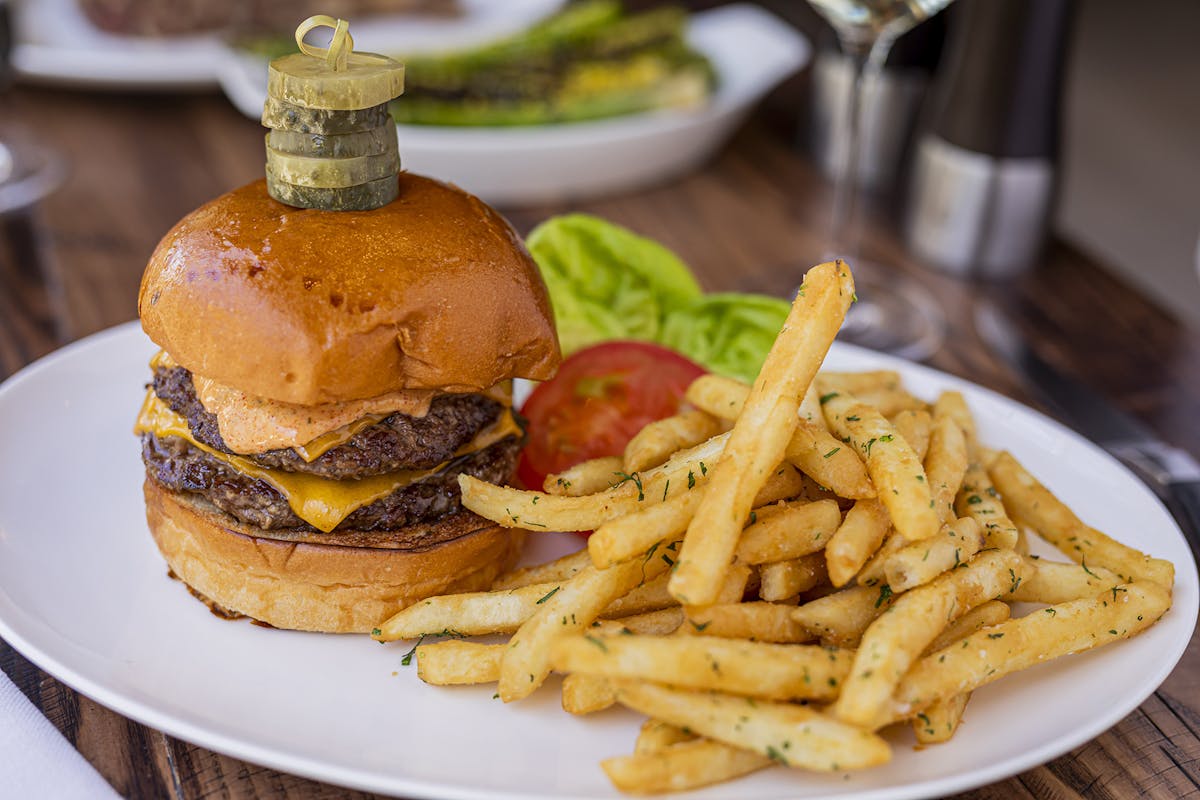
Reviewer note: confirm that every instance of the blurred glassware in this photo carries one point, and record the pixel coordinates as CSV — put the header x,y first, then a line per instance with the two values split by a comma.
x,y
891,101
984,175
28,171
893,314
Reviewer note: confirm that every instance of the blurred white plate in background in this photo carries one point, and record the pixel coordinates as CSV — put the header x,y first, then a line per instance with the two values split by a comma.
x,y
751,49
56,43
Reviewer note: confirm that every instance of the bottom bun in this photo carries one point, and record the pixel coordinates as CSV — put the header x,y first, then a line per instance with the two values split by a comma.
x,y
320,587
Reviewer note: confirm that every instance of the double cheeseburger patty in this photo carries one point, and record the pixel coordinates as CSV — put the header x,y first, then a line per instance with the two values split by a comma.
x,y
325,377
398,442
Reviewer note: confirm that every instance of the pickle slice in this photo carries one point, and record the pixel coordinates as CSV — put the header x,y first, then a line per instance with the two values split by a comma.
x,y
281,115
363,197
331,173
345,145
368,80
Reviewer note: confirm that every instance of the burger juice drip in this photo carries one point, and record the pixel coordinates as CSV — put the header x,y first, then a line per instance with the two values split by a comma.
x,y
332,144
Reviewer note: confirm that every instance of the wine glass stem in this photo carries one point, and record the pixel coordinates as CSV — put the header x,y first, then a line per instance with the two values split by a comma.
x,y
866,62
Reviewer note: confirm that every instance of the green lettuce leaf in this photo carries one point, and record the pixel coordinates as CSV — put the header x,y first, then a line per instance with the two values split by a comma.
x,y
606,282
729,333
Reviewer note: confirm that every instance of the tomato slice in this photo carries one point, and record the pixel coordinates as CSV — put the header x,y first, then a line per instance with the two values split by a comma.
x,y
601,396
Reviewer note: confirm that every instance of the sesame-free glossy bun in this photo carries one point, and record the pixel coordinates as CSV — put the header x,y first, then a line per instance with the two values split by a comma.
x,y
432,291
322,586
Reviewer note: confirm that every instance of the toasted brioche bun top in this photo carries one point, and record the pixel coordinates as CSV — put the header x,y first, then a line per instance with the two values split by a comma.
x,y
432,291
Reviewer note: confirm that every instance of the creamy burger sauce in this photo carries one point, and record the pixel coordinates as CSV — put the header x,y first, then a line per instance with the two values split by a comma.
x,y
250,424
321,502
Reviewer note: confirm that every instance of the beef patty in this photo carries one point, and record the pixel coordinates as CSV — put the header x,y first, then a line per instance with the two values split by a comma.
x,y
175,464
395,443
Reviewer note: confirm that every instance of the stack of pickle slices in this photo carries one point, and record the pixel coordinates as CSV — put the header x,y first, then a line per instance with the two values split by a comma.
x,y
332,144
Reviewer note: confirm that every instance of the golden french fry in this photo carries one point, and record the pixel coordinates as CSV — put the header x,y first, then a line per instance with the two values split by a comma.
x,y
559,569
979,500
762,431
586,477
753,669
650,623
655,735
538,511
471,614
586,694
890,402
856,540
1021,546
812,449
896,639
659,440
650,597
756,621
921,562
717,395
897,474
945,465
781,580
1055,582
1026,497
993,612
816,453
786,733
873,573
953,405
1023,642
680,767
859,382
939,722
916,427
455,662
634,534
839,619
575,606
793,530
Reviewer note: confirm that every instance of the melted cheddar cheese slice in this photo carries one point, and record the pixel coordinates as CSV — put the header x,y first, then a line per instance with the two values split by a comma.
x,y
321,502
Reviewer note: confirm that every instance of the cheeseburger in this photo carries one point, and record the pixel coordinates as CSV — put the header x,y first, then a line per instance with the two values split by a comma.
x,y
324,378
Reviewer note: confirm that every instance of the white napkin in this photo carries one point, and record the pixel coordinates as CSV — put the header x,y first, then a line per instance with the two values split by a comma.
x,y
35,759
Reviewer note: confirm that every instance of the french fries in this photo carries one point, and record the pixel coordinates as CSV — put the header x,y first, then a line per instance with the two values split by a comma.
x,y
783,580
812,449
586,477
1052,632
659,440
751,669
788,734
755,621
894,640
921,562
1058,525
454,662
894,468
945,465
760,435
683,766
845,557
856,540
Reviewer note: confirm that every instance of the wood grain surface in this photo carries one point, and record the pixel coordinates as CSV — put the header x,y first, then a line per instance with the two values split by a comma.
x,y
745,221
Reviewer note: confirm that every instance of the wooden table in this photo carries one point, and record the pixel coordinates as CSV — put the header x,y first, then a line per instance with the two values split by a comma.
x,y
141,162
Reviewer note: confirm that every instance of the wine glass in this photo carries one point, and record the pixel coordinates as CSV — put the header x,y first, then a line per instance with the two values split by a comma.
x,y
894,313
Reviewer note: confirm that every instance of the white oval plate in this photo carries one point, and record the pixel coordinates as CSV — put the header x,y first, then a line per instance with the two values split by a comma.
x,y
85,596
751,49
